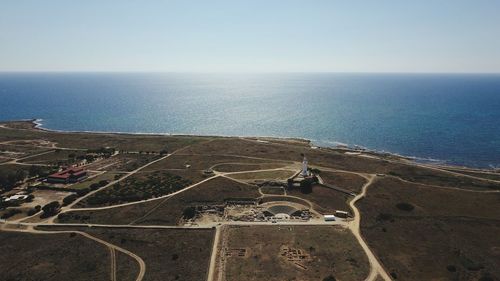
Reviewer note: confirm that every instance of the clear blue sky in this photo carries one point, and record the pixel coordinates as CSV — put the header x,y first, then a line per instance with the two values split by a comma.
x,y
253,35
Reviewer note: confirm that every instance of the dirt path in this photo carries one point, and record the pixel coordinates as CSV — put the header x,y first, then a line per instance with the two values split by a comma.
x,y
112,247
112,254
15,161
375,268
69,207
422,185
142,201
213,258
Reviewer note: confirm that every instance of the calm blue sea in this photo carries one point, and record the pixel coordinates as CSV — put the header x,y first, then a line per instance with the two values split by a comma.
x,y
449,118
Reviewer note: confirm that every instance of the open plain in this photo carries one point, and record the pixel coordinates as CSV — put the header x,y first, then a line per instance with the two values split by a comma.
x,y
161,207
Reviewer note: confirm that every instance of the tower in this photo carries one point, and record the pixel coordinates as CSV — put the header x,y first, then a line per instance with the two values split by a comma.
x,y
304,172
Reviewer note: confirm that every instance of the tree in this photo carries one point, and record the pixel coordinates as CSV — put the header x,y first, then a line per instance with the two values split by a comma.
x,y
69,199
329,278
30,198
34,171
103,182
189,213
34,210
51,209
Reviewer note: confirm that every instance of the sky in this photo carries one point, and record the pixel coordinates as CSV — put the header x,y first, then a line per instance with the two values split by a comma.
x,y
251,36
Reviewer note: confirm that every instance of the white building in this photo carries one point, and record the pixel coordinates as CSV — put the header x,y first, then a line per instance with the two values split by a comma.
x,y
304,172
16,197
329,218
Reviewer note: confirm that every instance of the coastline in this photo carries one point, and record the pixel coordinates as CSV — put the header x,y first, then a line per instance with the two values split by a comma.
x,y
37,124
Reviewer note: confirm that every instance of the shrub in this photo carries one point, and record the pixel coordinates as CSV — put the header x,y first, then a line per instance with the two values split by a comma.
x,y
69,199
10,213
486,278
51,209
470,264
103,183
405,206
34,210
384,217
82,191
30,198
189,213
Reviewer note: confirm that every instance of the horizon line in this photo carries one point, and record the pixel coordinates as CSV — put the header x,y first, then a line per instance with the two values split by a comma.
x,y
238,72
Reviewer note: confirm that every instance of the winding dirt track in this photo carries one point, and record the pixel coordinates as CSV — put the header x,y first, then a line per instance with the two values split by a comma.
x,y
112,254
375,268
112,247
213,258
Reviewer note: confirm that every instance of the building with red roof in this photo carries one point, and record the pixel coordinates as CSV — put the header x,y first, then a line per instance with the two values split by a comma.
x,y
69,175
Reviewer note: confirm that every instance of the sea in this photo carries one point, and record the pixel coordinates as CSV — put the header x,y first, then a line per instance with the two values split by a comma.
x,y
439,118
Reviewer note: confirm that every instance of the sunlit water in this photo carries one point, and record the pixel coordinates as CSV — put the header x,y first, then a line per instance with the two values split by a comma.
x,y
452,118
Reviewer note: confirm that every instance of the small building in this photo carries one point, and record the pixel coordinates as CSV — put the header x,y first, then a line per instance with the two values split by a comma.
x,y
16,197
342,214
329,217
70,175
208,172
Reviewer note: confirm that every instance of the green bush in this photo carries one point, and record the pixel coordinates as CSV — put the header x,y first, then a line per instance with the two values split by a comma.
x,y
103,183
51,209
34,210
407,207
10,213
82,191
69,199
189,213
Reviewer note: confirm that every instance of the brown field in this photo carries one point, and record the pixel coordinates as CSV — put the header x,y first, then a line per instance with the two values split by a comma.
x,y
331,251
329,158
22,125
108,176
423,223
123,162
19,151
139,186
433,177
484,175
347,181
198,162
166,211
325,200
13,168
448,235
263,175
126,142
127,268
238,167
52,257
57,157
169,254
273,190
